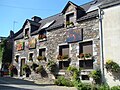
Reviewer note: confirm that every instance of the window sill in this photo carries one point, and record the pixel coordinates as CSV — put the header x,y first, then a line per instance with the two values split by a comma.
x,y
26,37
44,39
90,58
70,26
63,59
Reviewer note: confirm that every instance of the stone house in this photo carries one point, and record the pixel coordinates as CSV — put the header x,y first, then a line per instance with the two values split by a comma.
x,y
63,38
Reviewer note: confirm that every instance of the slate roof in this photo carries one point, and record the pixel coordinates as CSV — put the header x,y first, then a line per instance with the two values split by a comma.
x,y
90,8
19,34
109,3
76,6
58,22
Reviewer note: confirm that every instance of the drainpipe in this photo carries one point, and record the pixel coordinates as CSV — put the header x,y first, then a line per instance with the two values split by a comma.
x,y
101,45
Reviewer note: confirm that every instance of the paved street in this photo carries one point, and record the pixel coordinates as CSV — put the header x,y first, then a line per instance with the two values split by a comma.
x,y
7,83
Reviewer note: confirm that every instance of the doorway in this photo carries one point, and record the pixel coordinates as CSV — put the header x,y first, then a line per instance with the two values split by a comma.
x,y
21,66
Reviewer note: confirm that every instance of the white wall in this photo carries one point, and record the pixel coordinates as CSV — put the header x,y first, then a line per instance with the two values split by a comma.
x,y
111,39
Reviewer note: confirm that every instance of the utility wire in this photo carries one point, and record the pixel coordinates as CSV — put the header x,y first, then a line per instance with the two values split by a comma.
x,y
25,8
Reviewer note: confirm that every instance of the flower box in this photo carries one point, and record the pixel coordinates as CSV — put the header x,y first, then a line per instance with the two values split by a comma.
x,y
62,57
84,56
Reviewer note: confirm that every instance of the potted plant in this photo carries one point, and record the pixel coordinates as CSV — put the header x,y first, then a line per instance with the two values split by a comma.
x,y
62,57
112,66
81,56
41,58
11,70
51,66
41,36
69,24
88,56
96,75
16,60
40,70
34,66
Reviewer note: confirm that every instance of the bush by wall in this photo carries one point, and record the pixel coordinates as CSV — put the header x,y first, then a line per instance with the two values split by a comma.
x,y
61,81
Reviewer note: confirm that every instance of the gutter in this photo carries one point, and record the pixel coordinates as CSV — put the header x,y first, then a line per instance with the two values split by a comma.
x,y
101,45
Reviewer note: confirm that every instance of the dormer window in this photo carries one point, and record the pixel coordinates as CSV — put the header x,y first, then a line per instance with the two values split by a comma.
x,y
42,35
27,33
70,20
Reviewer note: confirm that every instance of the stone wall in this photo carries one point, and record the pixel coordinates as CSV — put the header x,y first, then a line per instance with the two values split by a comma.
x,y
57,37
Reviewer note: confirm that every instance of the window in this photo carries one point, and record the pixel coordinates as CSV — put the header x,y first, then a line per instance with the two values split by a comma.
x,y
70,20
31,57
86,47
84,77
70,17
41,54
86,64
17,58
63,55
63,64
27,32
42,35
64,50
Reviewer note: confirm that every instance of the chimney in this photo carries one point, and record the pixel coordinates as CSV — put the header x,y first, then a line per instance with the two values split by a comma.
x,y
36,19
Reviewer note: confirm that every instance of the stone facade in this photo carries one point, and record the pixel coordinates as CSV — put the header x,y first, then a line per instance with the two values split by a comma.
x,y
89,31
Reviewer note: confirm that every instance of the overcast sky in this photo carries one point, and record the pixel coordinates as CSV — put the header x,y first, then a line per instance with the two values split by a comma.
x,y
19,10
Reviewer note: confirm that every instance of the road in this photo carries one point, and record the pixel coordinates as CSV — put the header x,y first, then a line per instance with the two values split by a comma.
x,y
7,83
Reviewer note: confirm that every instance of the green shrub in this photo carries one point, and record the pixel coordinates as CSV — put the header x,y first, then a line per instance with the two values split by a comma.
x,y
39,69
34,65
26,68
77,83
115,88
12,70
61,81
104,87
52,66
74,71
112,66
96,75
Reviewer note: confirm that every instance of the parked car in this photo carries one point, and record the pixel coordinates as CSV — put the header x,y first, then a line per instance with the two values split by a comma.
x,y
4,71
1,73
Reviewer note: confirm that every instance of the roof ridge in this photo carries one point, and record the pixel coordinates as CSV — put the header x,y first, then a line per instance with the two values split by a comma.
x,y
51,16
86,3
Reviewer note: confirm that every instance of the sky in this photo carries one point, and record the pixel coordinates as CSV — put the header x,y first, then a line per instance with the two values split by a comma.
x,y
15,12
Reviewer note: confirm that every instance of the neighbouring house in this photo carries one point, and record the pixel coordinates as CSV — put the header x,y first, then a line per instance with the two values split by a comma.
x,y
6,53
111,35
1,49
70,37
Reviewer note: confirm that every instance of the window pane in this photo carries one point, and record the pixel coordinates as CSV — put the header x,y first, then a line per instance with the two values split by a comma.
x,y
86,47
89,64
85,77
86,64
60,64
64,50
41,52
63,64
66,63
